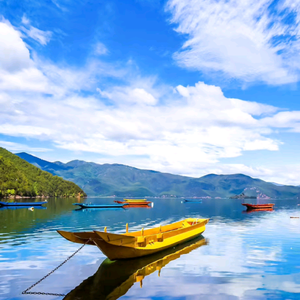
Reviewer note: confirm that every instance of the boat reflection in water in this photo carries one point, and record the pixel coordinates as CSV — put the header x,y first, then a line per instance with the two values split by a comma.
x,y
249,211
114,278
21,207
98,209
138,206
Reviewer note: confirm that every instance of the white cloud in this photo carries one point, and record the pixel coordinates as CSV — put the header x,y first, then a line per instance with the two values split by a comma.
x,y
287,119
64,80
17,70
27,79
140,95
11,146
129,95
100,49
43,37
14,56
25,20
25,130
242,39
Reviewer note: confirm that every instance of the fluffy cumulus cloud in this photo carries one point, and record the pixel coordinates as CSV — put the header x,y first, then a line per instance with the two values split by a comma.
x,y
250,41
14,54
17,70
185,129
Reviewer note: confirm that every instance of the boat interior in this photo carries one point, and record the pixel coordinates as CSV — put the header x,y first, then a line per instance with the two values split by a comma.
x,y
168,228
143,237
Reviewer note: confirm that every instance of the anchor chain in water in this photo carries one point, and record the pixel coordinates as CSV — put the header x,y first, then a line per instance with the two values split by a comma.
x,y
52,294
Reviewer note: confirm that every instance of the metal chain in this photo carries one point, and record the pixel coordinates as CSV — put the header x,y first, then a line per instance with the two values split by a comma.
x,y
42,293
52,294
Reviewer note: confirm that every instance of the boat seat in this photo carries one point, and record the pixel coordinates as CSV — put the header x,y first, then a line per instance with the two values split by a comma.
x,y
160,237
141,241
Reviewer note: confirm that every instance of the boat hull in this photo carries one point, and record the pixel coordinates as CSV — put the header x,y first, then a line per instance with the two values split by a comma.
x,y
87,237
22,203
114,252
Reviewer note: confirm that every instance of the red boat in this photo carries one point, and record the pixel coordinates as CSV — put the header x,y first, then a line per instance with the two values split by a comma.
x,y
259,206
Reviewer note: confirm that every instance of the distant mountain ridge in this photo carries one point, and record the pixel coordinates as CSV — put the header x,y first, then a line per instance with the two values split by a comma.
x,y
125,181
40,163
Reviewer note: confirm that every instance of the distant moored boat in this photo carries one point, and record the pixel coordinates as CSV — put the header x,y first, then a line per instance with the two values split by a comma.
x,y
193,201
22,203
136,202
259,206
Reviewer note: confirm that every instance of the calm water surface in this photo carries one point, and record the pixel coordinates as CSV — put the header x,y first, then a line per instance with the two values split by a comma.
x,y
240,256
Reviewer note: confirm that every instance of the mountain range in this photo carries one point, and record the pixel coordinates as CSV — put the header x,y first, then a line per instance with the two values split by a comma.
x,y
125,181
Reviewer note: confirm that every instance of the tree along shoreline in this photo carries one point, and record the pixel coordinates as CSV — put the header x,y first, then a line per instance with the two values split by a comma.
x,y
41,197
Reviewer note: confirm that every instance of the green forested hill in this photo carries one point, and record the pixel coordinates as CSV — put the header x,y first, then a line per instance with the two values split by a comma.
x,y
18,177
125,181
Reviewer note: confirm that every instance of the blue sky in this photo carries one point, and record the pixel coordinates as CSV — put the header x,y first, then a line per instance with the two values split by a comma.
x,y
182,86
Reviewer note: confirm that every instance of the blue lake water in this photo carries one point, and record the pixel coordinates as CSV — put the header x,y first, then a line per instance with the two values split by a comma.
x,y
241,255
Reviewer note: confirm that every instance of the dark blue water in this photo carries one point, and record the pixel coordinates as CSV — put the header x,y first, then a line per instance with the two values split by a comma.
x,y
242,255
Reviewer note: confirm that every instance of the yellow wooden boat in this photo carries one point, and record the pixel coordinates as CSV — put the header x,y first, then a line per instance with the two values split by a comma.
x,y
139,243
